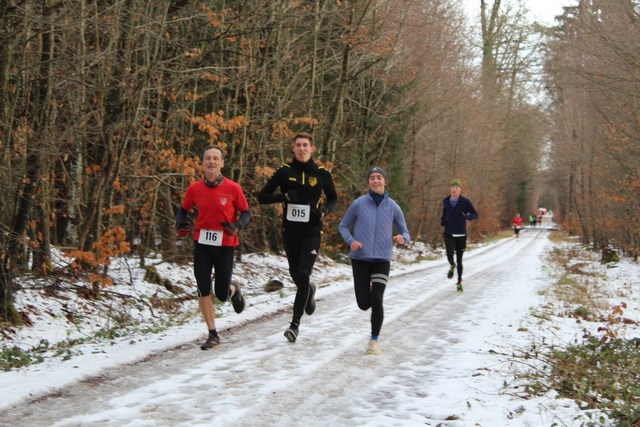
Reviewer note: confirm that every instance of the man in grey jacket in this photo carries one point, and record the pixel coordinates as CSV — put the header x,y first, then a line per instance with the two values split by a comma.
x,y
373,216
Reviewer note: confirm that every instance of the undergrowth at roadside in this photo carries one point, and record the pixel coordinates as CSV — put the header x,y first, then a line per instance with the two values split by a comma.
x,y
114,317
601,371
14,357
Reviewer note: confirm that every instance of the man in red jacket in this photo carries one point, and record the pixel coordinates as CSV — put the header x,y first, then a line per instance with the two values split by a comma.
x,y
219,200
517,225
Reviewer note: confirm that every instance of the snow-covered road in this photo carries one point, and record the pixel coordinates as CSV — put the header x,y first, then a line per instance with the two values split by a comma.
x,y
436,362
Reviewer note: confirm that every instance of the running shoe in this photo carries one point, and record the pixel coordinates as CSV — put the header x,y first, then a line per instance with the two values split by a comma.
x,y
311,302
451,271
373,348
459,285
211,342
238,300
292,333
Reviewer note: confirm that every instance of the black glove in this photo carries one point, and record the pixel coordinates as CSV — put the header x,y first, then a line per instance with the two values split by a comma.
x,y
181,219
443,222
231,228
317,214
291,195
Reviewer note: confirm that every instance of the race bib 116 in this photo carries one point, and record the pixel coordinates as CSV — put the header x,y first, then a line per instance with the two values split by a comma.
x,y
210,237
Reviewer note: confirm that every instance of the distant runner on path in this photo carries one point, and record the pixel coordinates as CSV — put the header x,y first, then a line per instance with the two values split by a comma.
x,y
456,211
517,225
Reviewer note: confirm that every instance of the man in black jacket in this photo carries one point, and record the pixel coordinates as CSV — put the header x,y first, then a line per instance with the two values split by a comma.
x,y
302,183
456,211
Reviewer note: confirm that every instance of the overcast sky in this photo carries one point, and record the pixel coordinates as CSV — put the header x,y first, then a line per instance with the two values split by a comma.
x,y
542,10
546,10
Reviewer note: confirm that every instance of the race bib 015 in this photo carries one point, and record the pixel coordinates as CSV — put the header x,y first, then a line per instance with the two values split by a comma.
x,y
298,213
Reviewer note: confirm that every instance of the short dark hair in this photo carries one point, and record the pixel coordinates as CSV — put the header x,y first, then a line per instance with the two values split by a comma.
x,y
213,147
303,135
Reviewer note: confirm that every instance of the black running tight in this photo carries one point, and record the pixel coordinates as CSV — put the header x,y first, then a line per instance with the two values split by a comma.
x,y
370,280
302,251
207,259
457,244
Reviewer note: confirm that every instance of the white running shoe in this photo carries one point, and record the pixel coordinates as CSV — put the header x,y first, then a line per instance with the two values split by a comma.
x,y
373,347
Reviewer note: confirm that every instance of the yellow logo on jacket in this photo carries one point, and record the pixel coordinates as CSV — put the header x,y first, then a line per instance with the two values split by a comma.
x,y
313,181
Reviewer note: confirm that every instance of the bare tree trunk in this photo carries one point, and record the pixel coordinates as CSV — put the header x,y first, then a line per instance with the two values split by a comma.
x,y
15,260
